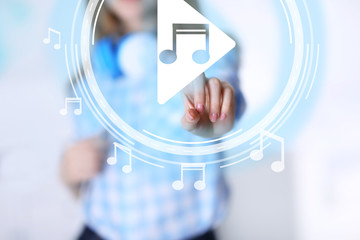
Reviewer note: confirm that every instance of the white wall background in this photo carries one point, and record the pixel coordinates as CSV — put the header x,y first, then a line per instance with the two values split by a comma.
x,y
318,197
322,181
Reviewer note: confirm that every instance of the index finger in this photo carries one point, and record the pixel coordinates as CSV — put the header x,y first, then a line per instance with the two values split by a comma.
x,y
199,93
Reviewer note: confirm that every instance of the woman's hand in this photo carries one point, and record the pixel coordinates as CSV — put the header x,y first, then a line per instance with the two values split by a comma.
x,y
82,162
209,107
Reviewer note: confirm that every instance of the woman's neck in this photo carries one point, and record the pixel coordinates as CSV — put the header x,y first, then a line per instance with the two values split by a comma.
x,y
133,26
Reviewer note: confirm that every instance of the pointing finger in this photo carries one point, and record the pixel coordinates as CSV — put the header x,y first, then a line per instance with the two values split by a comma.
x,y
199,93
215,98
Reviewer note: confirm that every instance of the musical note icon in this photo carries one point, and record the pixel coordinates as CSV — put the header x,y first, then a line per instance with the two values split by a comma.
x,y
257,155
47,40
198,185
113,160
199,56
77,111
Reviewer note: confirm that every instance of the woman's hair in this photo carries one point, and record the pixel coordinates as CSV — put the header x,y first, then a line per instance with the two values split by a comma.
x,y
109,24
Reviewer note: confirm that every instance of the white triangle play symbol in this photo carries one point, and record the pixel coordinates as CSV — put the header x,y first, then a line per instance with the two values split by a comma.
x,y
184,50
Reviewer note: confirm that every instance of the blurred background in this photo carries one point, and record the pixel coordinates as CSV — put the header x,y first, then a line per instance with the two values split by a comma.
x,y
317,197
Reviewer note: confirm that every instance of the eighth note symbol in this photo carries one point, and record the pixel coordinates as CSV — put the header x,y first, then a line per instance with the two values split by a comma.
x,y
113,160
48,39
199,56
68,101
198,185
258,154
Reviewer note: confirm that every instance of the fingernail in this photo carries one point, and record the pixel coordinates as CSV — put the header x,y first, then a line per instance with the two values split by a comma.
x,y
214,117
200,107
190,116
223,116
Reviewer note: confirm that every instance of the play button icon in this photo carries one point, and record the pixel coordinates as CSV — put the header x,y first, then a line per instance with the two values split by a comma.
x,y
188,44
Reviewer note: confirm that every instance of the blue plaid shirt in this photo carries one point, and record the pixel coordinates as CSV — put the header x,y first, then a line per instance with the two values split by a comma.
x,y
143,204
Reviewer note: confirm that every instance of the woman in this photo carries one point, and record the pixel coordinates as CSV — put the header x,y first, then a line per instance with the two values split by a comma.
x,y
143,205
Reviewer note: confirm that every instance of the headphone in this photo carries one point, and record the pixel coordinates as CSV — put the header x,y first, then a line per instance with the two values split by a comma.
x,y
132,56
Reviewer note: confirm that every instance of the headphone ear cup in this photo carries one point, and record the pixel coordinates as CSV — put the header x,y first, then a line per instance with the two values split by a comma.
x,y
104,60
137,54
